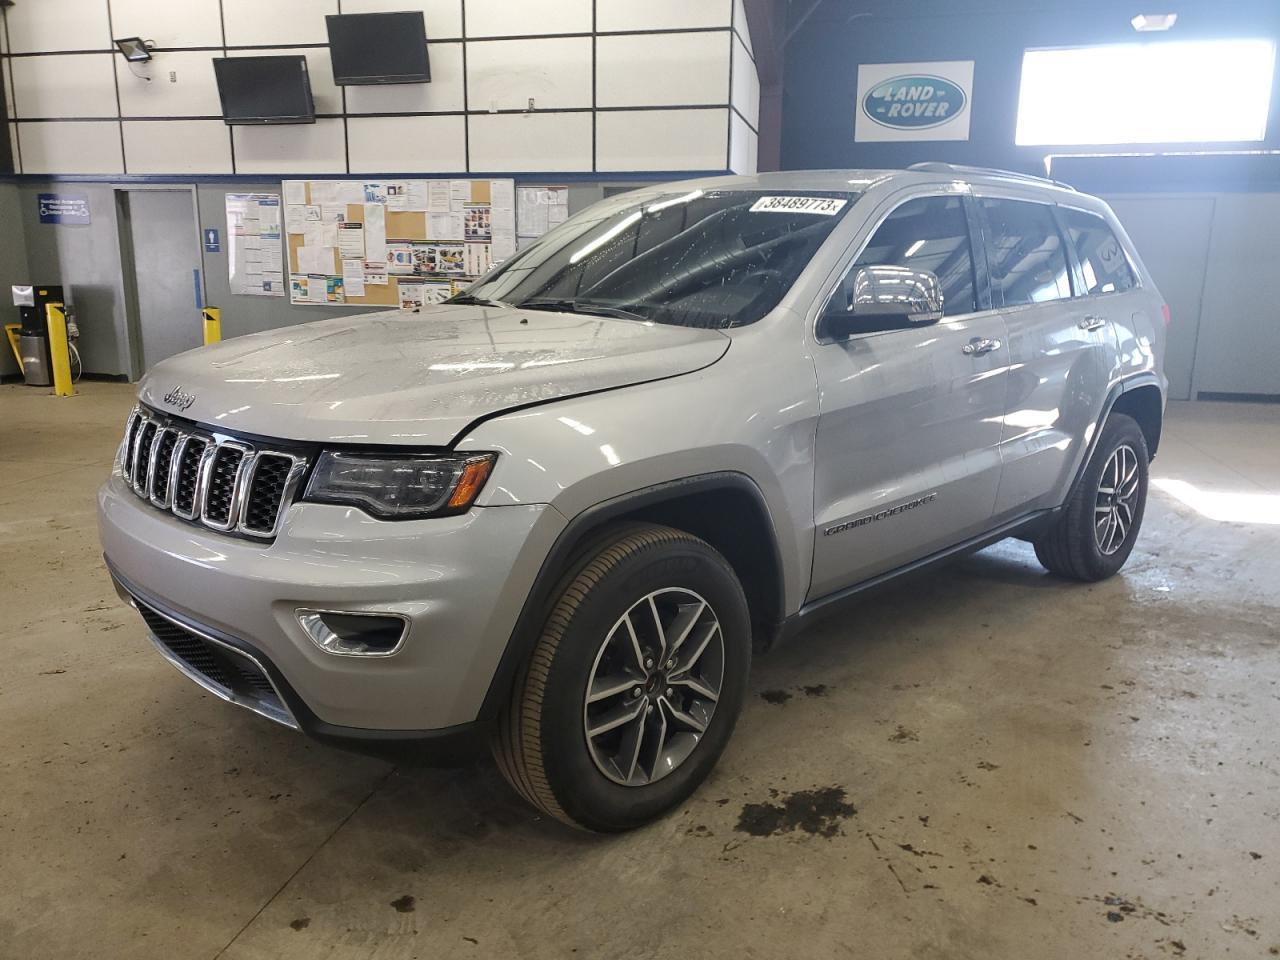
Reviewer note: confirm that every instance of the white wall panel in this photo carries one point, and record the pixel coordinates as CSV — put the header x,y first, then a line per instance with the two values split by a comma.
x,y
672,68
177,146
443,17
527,18
407,144
66,85
195,94
327,94
87,146
740,23
260,22
746,84
514,142
504,74
188,23
59,25
662,140
291,148
743,146
661,14
444,92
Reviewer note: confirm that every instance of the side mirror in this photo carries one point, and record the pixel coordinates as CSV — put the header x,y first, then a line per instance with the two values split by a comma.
x,y
883,298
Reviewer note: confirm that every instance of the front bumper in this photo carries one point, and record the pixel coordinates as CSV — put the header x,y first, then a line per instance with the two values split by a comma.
x,y
460,581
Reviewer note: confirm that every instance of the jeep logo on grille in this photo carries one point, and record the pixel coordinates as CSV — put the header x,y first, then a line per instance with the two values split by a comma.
x,y
177,397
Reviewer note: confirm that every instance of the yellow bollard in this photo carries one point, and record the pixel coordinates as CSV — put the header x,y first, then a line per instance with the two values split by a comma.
x,y
212,325
59,355
11,331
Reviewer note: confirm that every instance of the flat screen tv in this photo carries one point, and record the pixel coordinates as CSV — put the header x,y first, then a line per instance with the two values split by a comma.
x,y
265,89
378,48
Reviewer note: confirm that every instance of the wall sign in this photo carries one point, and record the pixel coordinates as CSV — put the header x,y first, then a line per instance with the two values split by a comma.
x,y
64,208
913,101
211,242
255,262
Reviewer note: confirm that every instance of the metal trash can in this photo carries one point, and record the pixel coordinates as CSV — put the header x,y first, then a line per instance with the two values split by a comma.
x,y
34,348
33,338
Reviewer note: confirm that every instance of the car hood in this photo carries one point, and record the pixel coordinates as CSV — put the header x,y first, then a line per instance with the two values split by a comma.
x,y
415,378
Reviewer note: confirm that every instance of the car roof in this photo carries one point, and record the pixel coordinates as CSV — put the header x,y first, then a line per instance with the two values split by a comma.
x,y
857,180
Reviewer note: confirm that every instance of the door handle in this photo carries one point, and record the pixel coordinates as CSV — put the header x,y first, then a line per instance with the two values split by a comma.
x,y
980,345
1091,322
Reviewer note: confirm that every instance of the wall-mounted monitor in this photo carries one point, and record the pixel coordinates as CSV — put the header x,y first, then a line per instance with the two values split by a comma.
x,y
378,48
264,89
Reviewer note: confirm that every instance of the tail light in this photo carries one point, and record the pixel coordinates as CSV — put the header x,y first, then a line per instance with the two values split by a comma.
x,y
1164,312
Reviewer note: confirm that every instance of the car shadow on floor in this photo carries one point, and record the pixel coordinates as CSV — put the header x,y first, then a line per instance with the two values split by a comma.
x,y
430,807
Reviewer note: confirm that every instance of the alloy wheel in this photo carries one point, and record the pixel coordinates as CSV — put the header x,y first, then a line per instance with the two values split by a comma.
x,y
653,687
1116,504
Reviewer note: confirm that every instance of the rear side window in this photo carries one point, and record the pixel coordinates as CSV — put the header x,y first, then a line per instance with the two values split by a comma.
x,y
1102,260
928,233
1025,255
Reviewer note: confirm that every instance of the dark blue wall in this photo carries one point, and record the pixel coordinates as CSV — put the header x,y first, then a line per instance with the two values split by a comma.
x,y
822,67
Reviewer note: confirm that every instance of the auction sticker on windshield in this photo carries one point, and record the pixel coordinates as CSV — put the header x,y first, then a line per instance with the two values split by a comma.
x,y
823,206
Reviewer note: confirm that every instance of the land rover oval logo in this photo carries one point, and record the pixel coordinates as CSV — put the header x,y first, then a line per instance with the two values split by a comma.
x,y
179,398
914,101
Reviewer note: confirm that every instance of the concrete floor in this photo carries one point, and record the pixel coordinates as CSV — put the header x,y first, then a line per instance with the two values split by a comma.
x,y
988,764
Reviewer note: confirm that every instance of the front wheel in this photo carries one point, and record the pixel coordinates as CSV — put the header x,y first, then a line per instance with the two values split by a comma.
x,y
633,689
1095,533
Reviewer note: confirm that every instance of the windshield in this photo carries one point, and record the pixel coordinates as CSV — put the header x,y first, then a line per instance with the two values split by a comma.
x,y
719,258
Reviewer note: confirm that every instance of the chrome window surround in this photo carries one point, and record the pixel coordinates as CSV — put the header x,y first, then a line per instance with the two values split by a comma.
x,y
153,429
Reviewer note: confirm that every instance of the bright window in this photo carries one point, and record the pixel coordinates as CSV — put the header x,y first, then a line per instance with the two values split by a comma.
x,y
1170,92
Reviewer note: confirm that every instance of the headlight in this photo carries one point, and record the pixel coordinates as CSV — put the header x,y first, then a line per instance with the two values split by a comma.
x,y
400,487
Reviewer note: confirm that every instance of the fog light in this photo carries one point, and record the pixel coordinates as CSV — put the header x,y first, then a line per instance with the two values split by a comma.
x,y
355,634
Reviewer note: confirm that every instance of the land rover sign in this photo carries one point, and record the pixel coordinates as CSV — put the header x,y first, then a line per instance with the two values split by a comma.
x,y
913,101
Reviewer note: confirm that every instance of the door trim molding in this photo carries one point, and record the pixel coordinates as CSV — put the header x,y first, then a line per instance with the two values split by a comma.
x,y
807,613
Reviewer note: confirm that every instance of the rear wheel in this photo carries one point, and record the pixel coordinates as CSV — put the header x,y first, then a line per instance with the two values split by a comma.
x,y
633,689
1095,533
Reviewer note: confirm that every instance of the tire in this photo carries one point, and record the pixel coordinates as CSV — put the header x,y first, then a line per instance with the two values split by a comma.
x,y
1073,547
541,743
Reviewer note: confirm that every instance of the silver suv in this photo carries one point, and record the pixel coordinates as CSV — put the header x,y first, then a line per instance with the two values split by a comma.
x,y
558,513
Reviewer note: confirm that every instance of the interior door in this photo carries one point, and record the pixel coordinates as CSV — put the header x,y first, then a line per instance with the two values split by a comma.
x,y
163,241
907,458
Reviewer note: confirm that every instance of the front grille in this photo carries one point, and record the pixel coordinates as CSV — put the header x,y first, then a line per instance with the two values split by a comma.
x,y
224,476
186,478
162,466
267,484
219,667
225,484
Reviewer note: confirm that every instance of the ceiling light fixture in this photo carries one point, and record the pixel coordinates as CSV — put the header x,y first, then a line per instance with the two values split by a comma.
x,y
1153,22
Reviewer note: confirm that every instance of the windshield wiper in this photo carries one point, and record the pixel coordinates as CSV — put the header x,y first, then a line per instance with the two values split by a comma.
x,y
467,299
589,307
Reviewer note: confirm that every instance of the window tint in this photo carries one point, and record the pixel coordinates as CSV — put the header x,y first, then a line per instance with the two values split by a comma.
x,y
1102,259
930,233
1024,253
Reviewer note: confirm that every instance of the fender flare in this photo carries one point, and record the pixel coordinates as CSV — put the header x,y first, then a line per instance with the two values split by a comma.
x,y
1145,379
569,546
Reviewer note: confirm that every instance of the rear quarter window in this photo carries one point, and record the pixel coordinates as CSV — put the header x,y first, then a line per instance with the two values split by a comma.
x,y
1102,259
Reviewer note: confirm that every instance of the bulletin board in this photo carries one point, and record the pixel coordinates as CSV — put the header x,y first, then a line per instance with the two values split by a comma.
x,y
402,243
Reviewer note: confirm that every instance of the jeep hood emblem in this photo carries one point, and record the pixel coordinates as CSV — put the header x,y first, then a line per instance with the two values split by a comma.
x,y
177,397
